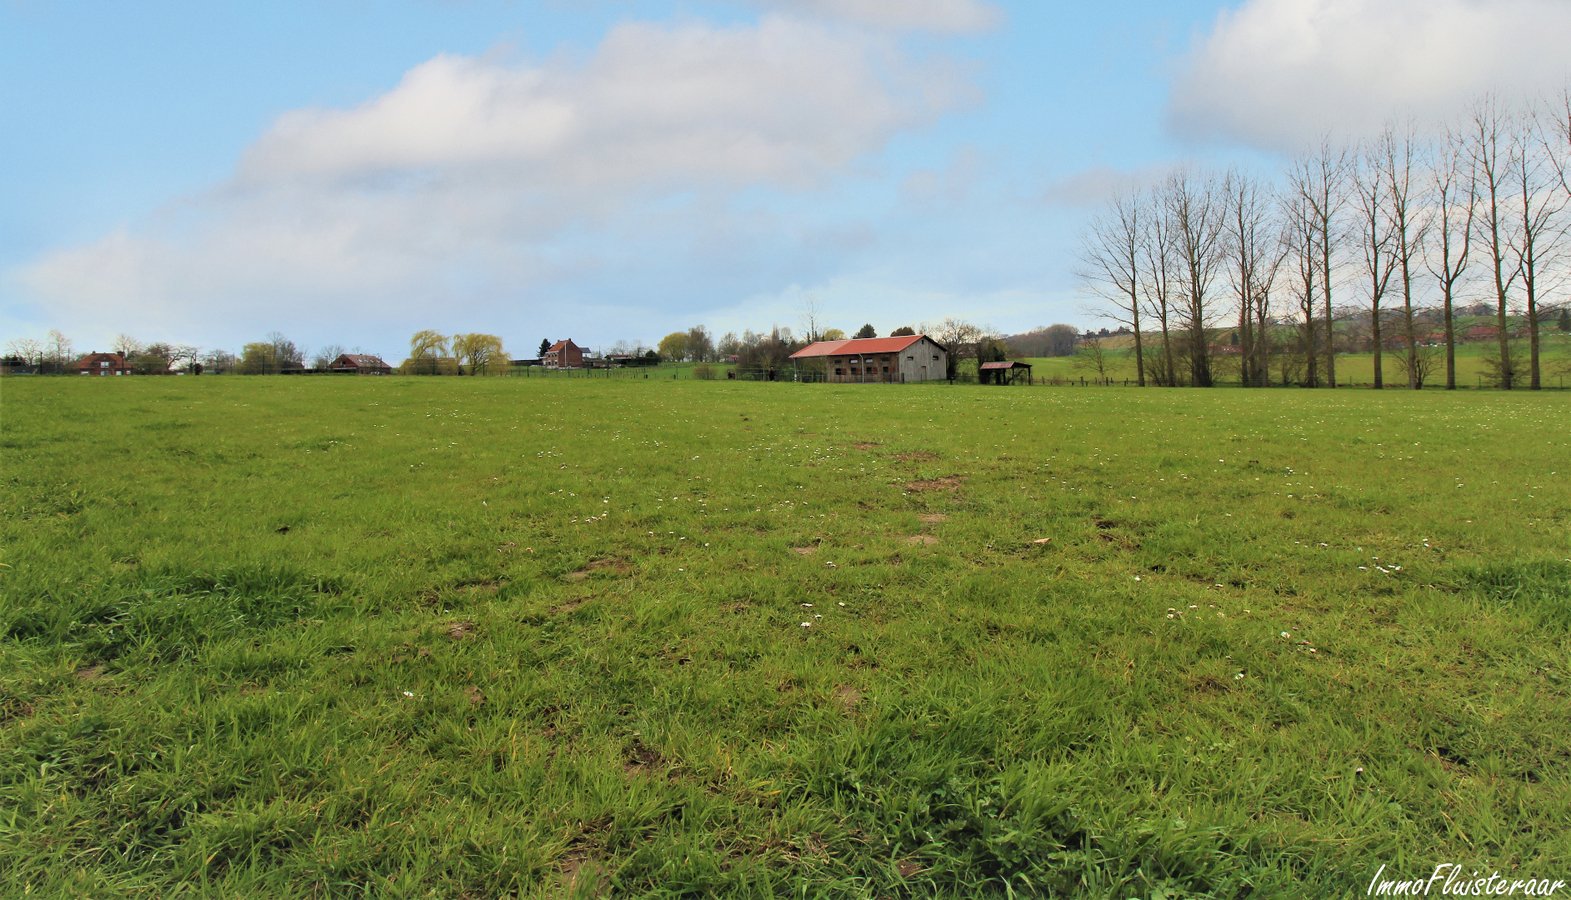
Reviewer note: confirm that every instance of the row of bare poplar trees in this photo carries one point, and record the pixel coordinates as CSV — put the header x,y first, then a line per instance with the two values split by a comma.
x,y
1476,210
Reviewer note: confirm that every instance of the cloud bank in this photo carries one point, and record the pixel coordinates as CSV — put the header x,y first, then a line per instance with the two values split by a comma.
x,y
1279,73
480,186
951,16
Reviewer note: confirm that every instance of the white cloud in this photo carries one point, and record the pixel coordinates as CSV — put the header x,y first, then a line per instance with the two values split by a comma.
x,y
926,15
474,180
1277,73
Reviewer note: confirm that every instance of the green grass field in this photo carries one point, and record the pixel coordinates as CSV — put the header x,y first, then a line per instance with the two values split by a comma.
x,y
452,637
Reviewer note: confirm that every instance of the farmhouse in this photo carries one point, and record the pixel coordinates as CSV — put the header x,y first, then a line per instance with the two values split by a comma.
x,y
102,364
877,360
361,364
563,355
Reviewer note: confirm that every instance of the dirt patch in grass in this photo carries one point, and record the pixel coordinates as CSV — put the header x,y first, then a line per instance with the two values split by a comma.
x,y
917,456
925,540
475,696
459,631
933,518
865,445
90,673
848,697
581,874
947,483
641,759
609,564
804,551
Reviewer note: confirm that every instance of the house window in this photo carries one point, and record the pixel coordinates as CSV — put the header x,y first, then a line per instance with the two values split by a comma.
x,y
910,358
837,371
886,370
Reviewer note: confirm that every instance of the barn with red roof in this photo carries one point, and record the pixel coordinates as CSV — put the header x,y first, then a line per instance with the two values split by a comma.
x,y
889,360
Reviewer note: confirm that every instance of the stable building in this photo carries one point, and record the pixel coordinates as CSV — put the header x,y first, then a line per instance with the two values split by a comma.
x,y
890,360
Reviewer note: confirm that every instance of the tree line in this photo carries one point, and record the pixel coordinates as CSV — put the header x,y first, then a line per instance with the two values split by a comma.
x,y
1353,246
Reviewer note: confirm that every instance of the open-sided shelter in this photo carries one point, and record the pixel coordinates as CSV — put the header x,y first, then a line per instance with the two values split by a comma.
x,y
1003,372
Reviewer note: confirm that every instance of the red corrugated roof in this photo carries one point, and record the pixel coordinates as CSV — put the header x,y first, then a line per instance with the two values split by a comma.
x,y
855,347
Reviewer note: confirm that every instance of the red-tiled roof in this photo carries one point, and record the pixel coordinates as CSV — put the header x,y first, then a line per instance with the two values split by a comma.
x,y
363,361
858,347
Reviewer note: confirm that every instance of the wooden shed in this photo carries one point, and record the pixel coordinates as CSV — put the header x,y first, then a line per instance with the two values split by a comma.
x,y
1005,372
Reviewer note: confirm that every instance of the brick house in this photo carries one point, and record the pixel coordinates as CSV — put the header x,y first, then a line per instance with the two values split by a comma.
x,y
563,355
102,364
360,363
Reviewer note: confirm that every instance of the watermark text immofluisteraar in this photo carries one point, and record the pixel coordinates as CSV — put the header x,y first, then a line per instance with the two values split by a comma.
x,y
1451,880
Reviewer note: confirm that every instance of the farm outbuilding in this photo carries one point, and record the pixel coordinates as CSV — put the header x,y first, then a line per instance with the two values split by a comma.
x,y
877,360
1004,372
360,364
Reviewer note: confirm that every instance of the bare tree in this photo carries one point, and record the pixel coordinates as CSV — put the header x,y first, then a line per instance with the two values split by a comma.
x,y
811,317
28,350
959,337
1095,355
187,354
1192,205
126,345
1376,238
1254,257
1110,251
1454,192
1401,153
1300,237
325,356
1156,288
1539,210
58,351
1321,178
1489,153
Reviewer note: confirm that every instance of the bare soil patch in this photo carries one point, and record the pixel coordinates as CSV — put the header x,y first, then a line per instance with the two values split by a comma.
x,y
610,563
804,551
461,630
947,483
925,540
90,673
918,456
865,445
641,759
848,697
475,696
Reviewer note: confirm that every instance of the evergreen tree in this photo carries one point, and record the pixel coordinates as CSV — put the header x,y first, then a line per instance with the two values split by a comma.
x,y
866,331
545,346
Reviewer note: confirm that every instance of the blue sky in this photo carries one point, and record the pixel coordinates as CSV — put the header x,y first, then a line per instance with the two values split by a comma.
x,y
350,171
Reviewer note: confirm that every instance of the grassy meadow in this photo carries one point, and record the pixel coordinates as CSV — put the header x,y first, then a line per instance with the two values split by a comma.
x,y
481,638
